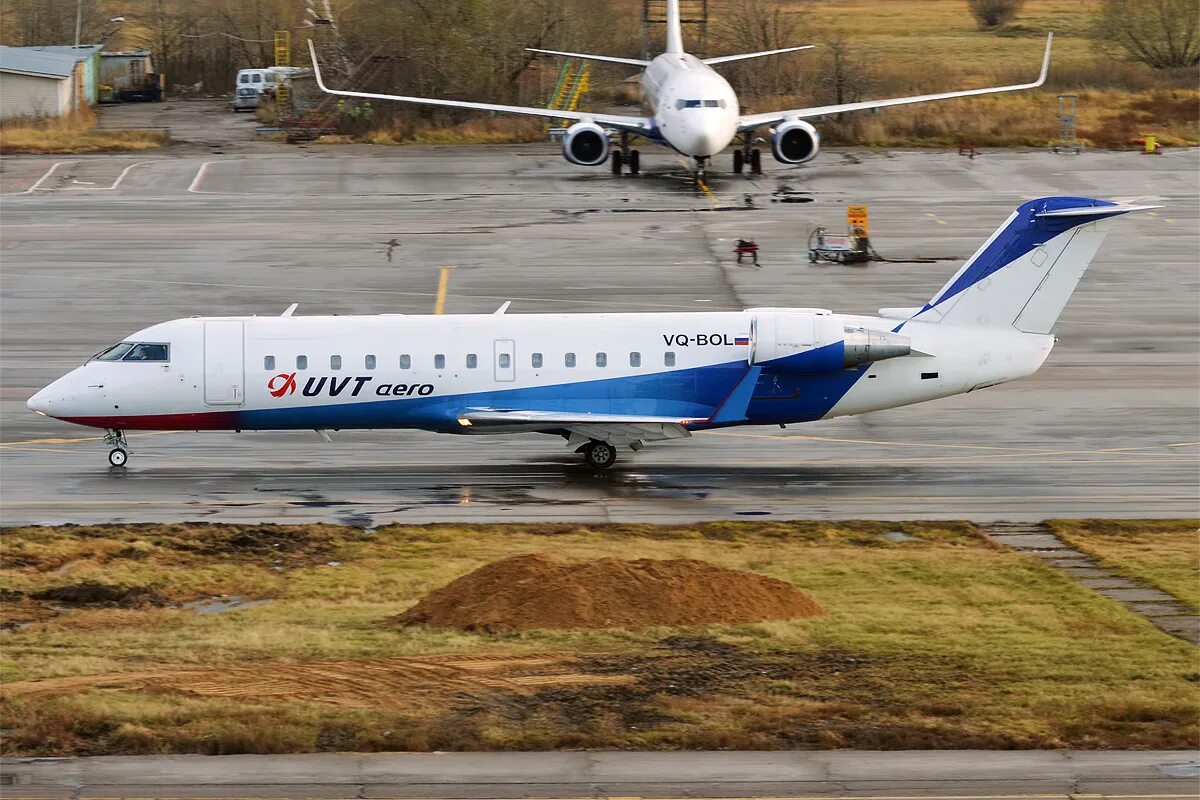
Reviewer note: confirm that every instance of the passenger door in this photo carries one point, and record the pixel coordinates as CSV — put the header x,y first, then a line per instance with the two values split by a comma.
x,y
224,363
506,360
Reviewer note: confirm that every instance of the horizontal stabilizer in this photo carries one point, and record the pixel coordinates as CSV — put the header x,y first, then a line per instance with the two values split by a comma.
x,y
1094,211
759,54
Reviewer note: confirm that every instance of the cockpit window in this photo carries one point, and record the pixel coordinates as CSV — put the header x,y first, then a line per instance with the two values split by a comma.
x,y
148,352
710,104
688,103
113,353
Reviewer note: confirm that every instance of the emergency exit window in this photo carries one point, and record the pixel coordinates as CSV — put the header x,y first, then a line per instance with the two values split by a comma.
x,y
505,361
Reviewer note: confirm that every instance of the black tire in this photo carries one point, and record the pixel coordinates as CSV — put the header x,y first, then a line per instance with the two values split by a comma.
x,y
600,455
756,161
812,256
739,162
635,162
118,457
617,162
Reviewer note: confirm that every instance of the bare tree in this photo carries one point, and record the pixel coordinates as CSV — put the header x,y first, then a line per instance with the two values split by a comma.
x,y
1162,34
991,14
845,75
751,25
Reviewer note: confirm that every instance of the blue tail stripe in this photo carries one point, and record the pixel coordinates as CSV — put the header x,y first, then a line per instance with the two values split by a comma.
x,y
1024,234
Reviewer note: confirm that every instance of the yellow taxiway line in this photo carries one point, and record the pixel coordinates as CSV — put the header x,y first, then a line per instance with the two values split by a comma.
x,y
439,305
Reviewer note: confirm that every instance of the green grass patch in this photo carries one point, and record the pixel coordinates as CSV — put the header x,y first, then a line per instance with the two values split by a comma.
x,y
937,638
1162,553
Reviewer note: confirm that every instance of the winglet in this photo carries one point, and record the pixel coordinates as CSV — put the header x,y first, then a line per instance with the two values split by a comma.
x,y
312,51
1046,60
734,408
502,309
290,310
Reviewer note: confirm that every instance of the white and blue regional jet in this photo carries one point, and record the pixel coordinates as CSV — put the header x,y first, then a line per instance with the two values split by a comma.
x,y
600,381
693,110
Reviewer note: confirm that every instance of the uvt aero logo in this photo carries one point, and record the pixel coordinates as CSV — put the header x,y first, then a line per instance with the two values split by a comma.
x,y
284,384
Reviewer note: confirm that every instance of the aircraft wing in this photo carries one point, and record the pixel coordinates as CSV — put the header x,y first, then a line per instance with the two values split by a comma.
x,y
751,121
616,429
636,62
619,121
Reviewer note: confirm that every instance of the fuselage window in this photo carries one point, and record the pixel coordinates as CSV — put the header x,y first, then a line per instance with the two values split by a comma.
x,y
504,361
148,352
635,359
536,360
601,359
472,361
113,353
301,362
269,363
406,361
569,359
439,361
669,359
335,362
369,362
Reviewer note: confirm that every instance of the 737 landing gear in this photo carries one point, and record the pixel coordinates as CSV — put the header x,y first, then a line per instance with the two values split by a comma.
x,y
599,455
623,156
119,454
747,155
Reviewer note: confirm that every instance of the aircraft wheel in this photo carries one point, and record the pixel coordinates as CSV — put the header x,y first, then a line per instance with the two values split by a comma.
x,y
117,457
739,162
756,161
600,455
617,162
635,162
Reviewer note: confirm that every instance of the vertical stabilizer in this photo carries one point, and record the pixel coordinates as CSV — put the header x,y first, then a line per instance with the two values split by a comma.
x,y
1023,276
674,28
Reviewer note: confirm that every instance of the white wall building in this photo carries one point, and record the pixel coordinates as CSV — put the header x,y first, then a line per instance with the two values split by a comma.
x,y
34,83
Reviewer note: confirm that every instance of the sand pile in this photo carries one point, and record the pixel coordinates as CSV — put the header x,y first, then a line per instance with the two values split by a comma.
x,y
535,591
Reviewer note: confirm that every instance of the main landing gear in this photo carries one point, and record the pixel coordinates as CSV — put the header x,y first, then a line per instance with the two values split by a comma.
x,y
623,156
747,155
119,454
599,455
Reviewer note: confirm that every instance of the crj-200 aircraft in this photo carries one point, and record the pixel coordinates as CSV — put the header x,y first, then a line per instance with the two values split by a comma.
x,y
693,110
601,381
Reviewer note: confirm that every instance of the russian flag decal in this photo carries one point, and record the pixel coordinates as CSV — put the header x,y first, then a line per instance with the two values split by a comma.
x,y
742,340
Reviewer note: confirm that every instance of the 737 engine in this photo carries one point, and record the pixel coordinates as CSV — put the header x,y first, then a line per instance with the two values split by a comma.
x,y
795,142
585,144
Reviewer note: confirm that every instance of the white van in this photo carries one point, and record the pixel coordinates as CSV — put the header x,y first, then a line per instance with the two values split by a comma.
x,y
257,79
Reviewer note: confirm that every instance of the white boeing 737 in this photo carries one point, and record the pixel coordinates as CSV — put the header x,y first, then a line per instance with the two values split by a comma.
x,y
693,110
601,381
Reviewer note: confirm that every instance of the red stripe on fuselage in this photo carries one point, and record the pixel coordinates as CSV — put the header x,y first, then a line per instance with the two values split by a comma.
x,y
207,421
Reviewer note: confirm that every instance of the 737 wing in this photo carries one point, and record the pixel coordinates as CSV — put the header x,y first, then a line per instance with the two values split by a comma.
x,y
618,121
749,122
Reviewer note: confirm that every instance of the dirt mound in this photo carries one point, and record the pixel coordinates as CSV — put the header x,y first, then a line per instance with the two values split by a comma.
x,y
90,593
534,591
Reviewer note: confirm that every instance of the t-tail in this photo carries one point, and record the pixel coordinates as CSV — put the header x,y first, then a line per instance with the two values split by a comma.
x,y
1023,276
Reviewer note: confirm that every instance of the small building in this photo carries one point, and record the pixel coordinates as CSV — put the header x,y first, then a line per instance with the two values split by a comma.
x,y
126,70
48,80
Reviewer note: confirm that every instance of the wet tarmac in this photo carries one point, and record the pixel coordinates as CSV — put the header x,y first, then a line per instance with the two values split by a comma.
x,y
96,247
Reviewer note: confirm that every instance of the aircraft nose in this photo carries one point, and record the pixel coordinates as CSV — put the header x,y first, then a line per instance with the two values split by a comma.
x,y
40,403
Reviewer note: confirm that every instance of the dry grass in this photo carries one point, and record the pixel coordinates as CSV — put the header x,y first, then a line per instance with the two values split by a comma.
x,y
1164,554
73,134
939,641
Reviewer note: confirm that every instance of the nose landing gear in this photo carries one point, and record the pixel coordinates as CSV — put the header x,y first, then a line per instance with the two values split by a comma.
x,y
119,454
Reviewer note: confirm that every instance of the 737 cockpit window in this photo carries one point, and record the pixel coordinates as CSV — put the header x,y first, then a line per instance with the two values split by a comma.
x,y
688,103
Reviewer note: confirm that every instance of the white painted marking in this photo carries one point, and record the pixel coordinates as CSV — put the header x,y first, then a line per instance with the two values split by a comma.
x,y
200,173
117,182
42,179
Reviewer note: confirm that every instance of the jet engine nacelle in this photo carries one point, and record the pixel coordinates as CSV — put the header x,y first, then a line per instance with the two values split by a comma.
x,y
808,343
795,142
585,144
